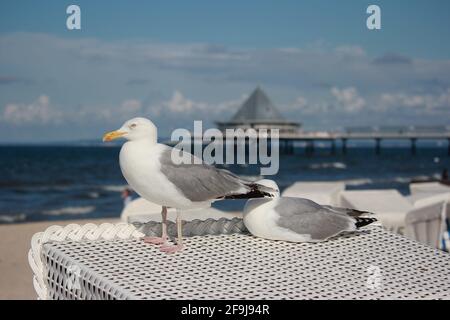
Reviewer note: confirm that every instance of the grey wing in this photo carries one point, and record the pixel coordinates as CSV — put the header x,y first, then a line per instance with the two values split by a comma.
x,y
201,182
347,211
308,218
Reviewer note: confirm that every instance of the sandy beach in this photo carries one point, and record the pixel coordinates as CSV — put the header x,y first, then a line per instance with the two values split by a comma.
x,y
15,272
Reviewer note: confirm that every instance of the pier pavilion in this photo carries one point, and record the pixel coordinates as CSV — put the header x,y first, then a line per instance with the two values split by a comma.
x,y
258,112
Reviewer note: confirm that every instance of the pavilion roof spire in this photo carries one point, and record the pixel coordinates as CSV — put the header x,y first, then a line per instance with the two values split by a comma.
x,y
257,107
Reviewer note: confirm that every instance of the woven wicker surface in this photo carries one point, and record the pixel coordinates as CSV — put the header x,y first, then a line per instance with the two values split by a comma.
x,y
195,227
374,264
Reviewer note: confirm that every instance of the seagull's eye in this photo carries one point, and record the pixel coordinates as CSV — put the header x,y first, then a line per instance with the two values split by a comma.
x,y
132,126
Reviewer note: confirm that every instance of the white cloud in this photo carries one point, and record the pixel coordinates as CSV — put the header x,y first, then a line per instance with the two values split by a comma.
x,y
301,102
38,112
130,106
41,112
304,107
419,102
229,106
350,51
90,79
178,104
348,99
401,99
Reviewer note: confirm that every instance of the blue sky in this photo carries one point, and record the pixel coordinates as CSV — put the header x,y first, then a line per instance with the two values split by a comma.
x,y
409,26
177,61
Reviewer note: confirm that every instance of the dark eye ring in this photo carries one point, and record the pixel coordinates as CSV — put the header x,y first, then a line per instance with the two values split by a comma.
x,y
133,126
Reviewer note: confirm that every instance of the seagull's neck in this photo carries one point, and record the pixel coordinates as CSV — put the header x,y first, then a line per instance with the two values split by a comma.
x,y
143,143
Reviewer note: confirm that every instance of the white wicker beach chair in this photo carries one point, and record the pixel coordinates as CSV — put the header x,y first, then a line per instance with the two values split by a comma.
x,y
325,193
389,206
423,199
427,224
110,262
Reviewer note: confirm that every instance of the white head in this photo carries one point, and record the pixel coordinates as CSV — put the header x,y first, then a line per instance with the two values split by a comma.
x,y
270,184
133,130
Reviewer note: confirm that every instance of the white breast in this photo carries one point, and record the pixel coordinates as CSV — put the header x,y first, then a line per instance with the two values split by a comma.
x,y
140,166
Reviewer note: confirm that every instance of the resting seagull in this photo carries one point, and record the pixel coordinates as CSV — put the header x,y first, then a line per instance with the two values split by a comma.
x,y
150,170
298,219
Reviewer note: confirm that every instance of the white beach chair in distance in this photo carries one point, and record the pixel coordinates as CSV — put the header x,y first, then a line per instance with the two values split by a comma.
x,y
388,205
141,210
425,199
425,193
324,193
416,188
139,207
427,224
423,222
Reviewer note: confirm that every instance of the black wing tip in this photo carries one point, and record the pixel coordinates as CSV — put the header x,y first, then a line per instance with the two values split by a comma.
x,y
361,222
356,213
255,192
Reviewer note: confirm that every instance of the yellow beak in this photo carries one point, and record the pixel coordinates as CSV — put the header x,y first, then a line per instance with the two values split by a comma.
x,y
113,135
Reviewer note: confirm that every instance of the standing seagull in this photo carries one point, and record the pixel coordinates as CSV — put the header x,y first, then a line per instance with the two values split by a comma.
x,y
298,219
149,169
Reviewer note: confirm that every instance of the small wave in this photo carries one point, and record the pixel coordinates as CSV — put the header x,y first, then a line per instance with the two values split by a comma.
x,y
12,218
93,195
70,210
326,165
404,180
35,187
401,179
357,182
417,178
115,188
437,176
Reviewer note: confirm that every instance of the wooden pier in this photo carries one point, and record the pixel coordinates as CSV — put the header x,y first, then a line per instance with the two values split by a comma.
x,y
310,138
259,113
335,139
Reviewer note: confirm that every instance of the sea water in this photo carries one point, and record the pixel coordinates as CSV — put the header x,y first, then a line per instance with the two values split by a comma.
x,y
79,182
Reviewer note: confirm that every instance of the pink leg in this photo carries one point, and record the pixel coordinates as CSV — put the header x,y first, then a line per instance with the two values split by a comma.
x,y
154,240
179,246
163,238
171,248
